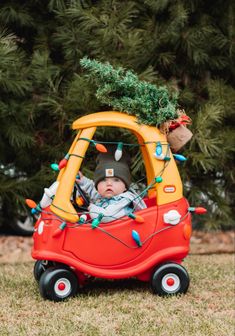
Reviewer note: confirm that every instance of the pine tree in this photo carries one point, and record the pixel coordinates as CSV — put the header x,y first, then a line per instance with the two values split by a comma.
x,y
183,44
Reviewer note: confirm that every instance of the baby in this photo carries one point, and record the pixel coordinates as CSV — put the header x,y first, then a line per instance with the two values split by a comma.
x,y
109,193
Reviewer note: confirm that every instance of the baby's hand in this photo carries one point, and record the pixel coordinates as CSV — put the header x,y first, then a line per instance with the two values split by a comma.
x,y
79,177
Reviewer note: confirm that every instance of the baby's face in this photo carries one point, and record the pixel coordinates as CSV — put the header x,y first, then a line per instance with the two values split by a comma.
x,y
110,186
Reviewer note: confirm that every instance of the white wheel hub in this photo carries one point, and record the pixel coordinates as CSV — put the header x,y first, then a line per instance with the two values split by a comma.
x,y
62,287
170,283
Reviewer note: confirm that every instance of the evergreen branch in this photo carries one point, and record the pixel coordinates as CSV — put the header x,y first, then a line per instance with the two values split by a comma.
x,y
18,137
17,14
12,59
157,6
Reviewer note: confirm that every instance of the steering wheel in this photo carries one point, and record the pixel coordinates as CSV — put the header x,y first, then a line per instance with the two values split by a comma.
x,y
82,194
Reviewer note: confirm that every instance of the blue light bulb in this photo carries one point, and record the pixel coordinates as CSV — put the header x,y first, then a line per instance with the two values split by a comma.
x,y
136,237
179,157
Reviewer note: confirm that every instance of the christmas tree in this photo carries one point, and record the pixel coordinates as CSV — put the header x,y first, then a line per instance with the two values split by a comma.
x,y
123,91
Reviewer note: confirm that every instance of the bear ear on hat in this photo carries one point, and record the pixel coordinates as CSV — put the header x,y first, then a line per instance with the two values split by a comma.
x,y
110,155
102,156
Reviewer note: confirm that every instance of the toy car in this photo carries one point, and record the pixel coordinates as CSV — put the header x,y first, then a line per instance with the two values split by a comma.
x,y
149,245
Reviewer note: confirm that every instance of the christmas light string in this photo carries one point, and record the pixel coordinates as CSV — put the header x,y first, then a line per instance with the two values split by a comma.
x,y
76,225
86,223
118,153
124,143
96,225
144,192
76,155
96,221
129,246
139,197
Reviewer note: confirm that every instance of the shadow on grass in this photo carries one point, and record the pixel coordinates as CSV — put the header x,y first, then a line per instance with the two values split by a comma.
x,y
97,286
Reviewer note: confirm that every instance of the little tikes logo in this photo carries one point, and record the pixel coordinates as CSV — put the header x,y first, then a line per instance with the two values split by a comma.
x,y
109,172
169,188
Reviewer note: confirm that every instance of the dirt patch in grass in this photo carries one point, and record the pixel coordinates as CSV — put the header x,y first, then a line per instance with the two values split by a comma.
x,y
15,249
212,242
18,249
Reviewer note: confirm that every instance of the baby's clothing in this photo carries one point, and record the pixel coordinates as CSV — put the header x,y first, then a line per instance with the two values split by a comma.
x,y
111,208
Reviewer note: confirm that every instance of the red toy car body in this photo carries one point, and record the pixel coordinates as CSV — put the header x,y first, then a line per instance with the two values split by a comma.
x,y
151,249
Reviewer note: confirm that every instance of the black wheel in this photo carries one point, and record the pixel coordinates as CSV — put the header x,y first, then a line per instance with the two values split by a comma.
x,y
19,223
169,279
58,284
40,267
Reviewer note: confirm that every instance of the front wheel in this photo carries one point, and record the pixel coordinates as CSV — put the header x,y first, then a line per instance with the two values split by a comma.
x,y
169,279
58,284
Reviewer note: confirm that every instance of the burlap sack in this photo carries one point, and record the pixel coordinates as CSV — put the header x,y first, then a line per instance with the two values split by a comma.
x,y
179,137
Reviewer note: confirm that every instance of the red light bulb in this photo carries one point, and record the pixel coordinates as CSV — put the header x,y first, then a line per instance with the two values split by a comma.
x,y
101,148
31,204
200,210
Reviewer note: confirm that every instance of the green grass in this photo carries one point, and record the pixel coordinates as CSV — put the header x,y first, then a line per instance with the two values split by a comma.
x,y
124,307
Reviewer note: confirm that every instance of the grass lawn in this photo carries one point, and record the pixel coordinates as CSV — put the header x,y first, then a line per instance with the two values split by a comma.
x,y
123,307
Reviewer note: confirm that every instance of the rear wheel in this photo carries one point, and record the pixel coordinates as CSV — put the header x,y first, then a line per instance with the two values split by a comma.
x,y
169,279
40,267
19,224
58,284
23,225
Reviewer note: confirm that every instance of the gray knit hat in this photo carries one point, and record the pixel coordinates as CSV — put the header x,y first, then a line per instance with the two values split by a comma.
x,y
107,166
